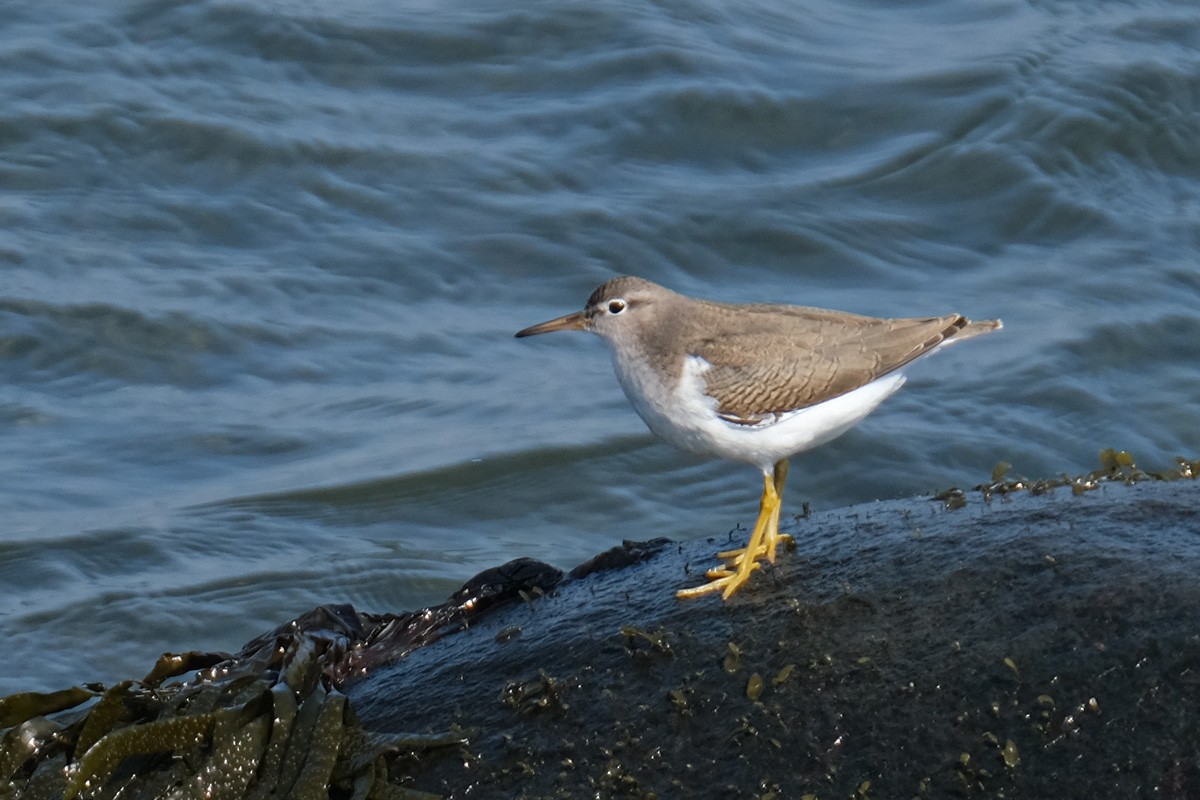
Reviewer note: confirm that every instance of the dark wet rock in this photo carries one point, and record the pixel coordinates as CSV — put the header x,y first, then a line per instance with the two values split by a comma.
x,y
1025,639
1031,646
389,637
628,554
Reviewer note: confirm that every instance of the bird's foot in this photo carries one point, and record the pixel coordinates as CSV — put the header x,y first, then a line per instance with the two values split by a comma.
x,y
723,580
767,548
764,539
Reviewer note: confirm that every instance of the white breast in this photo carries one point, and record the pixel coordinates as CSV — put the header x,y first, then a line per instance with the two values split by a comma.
x,y
687,417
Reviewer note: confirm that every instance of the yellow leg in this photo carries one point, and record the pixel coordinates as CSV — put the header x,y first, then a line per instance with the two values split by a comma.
x,y
763,541
772,537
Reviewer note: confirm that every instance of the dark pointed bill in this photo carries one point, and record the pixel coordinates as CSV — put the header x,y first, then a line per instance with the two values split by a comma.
x,y
571,322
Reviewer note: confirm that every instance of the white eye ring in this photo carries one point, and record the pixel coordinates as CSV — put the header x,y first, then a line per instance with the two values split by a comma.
x,y
616,306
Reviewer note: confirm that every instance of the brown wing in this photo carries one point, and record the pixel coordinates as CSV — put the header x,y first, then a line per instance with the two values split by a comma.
x,y
777,359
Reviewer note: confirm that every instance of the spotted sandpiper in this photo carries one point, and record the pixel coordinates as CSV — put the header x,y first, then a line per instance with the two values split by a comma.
x,y
752,382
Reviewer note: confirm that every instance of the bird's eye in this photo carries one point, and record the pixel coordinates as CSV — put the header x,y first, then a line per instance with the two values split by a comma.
x,y
616,306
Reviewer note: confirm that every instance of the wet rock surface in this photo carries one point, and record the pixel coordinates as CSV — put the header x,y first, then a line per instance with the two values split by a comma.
x,y
1030,639
1030,646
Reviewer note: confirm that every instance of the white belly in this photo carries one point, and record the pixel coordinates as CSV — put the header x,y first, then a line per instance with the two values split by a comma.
x,y
687,417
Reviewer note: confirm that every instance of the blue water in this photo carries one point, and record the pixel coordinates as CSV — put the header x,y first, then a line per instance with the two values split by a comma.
x,y
261,264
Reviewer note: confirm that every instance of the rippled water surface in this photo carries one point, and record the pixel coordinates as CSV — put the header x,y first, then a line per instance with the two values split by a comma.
x,y
261,263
